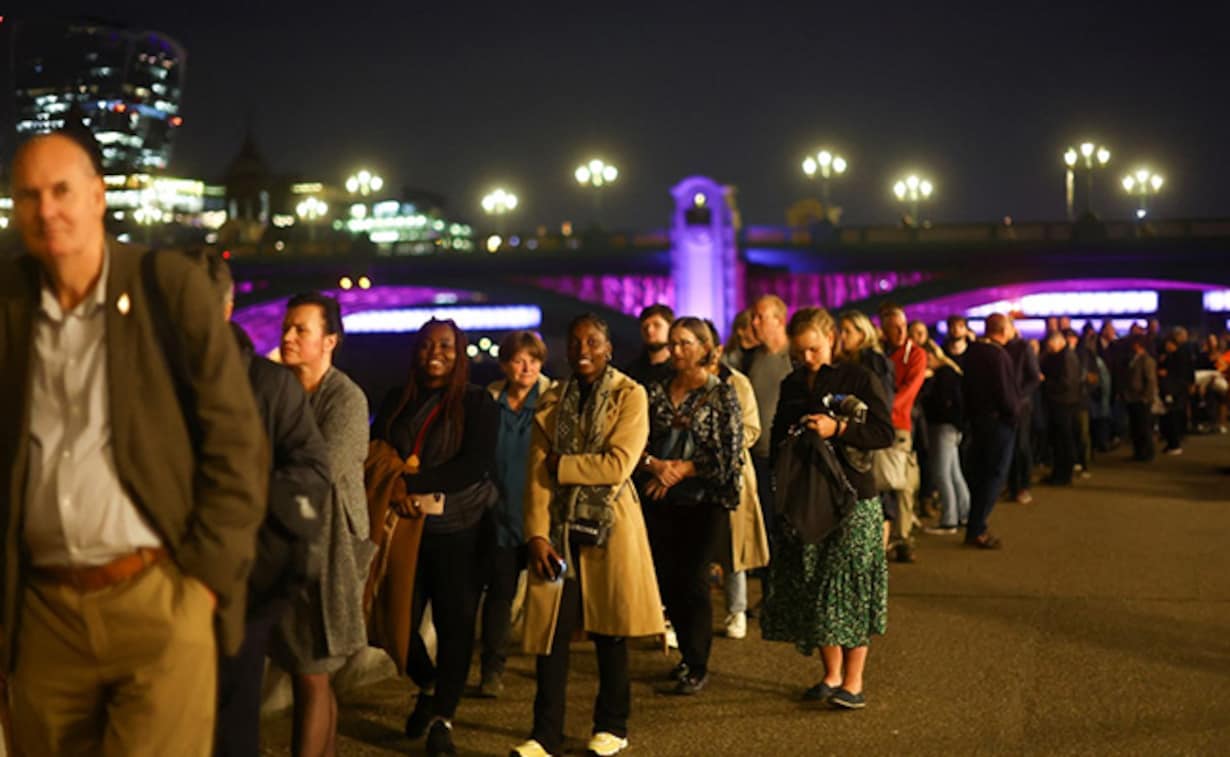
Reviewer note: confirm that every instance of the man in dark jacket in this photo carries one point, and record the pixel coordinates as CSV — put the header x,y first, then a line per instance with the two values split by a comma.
x,y
1028,377
1062,394
1139,393
299,483
653,363
129,507
992,406
1176,375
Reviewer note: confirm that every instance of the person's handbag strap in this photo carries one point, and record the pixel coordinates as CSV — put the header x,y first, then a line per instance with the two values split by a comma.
x,y
170,344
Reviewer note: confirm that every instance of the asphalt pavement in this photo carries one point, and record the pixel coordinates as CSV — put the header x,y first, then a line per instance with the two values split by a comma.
x,y
1102,627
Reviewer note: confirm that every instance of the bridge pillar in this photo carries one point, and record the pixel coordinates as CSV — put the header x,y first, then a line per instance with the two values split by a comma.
x,y
705,262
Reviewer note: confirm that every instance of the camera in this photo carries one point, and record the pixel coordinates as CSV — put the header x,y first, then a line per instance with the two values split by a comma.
x,y
844,407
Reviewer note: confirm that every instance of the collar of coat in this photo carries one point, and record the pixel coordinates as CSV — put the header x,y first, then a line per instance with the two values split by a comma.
x,y
548,403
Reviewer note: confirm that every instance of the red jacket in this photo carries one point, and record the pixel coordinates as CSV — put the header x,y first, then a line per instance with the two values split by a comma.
x,y
909,371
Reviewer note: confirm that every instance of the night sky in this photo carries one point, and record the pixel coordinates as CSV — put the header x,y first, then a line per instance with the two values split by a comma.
x,y
454,98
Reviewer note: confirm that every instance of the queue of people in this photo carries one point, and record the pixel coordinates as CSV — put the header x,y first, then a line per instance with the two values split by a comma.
x,y
239,510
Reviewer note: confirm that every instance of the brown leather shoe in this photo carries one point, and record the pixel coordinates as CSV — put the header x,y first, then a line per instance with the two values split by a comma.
x,y
984,541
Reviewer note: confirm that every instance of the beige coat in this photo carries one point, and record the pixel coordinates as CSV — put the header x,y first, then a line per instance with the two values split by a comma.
x,y
748,539
619,589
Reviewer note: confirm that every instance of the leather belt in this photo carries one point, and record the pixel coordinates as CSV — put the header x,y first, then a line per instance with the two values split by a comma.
x,y
96,577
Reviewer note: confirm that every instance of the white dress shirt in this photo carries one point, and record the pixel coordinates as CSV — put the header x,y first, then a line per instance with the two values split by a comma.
x,y
77,511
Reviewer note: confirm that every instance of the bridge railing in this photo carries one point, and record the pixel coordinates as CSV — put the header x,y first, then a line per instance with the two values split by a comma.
x,y
973,233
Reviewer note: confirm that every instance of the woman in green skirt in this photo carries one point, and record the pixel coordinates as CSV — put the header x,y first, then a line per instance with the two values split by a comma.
x,y
833,595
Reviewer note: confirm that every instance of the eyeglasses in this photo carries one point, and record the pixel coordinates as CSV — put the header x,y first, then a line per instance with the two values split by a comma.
x,y
685,344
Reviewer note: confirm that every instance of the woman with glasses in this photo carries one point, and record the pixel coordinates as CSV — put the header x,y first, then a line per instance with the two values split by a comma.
x,y
692,474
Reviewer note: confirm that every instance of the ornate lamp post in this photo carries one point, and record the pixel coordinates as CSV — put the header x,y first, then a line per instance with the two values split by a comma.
x,y
596,174
499,203
827,165
913,191
364,183
1143,183
310,210
1088,156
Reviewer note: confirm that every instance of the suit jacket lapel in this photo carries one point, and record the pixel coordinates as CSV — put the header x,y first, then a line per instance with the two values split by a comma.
x,y
124,293
16,381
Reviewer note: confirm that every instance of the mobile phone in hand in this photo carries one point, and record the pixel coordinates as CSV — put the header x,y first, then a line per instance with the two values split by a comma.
x,y
561,567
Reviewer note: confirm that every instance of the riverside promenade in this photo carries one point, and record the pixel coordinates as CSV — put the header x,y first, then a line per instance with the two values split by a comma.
x,y
1102,627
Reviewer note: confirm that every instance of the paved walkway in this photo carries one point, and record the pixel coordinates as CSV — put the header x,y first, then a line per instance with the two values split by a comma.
x,y
1103,627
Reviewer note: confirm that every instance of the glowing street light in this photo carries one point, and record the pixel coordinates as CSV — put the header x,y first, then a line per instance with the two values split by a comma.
x,y
1143,183
913,191
1087,156
310,210
827,165
364,183
596,174
499,203
147,216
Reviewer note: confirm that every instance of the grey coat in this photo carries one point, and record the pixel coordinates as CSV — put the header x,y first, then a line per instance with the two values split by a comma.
x,y
343,551
1142,380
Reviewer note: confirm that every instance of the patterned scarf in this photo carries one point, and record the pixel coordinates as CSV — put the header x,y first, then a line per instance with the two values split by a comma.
x,y
577,434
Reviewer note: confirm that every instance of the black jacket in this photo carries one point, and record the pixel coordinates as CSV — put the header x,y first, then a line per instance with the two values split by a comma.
x,y
299,481
1062,387
944,402
990,383
798,400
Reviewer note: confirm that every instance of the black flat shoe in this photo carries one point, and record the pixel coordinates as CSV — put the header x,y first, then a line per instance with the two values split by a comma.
x,y
690,685
819,693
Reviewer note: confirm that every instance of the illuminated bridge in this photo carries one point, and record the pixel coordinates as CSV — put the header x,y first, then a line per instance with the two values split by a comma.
x,y
1176,270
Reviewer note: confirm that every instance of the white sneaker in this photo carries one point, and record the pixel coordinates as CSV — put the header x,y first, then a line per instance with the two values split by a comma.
x,y
736,625
605,744
530,748
672,641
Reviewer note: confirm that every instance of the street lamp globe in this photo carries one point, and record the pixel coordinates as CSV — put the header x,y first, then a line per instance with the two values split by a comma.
x,y
913,190
1142,182
364,182
1087,156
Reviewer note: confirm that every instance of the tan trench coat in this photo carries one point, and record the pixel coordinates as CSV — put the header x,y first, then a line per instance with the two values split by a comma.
x,y
619,589
748,540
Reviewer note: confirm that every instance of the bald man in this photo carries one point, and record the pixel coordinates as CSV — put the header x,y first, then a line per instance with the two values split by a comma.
x,y
128,518
992,405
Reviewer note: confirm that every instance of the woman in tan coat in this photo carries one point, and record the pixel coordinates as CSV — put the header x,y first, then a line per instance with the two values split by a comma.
x,y
589,560
749,541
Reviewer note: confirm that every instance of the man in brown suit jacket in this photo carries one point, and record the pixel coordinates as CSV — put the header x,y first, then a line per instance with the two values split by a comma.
x,y
128,519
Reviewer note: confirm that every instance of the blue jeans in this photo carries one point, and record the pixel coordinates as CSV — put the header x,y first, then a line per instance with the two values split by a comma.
x,y
990,457
947,476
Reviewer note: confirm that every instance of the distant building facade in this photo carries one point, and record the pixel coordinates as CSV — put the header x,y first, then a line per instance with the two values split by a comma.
x,y
126,83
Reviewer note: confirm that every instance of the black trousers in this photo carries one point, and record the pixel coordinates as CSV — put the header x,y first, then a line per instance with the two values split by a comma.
x,y
238,727
614,701
503,568
683,540
1140,424
1061,426
447,576
1173,424
1022,469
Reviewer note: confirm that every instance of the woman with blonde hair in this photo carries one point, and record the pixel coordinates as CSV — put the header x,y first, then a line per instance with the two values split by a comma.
x,y
944,409
831,595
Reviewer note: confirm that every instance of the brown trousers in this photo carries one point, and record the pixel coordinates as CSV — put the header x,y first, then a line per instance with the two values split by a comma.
x,y
127,670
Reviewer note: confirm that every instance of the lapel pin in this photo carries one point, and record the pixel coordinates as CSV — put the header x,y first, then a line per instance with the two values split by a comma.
x,y
123,304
